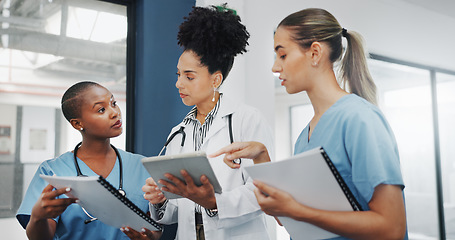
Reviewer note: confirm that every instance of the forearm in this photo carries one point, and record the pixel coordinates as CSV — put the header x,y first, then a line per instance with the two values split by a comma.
x,y
38,229
263,156
385,219
354,225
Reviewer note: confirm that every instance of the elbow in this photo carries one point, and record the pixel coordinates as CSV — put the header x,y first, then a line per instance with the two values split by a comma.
x,y
400,228
391,231
397,232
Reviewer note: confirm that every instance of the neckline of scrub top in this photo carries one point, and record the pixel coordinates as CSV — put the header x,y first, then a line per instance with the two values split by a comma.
x,y
113,174
323,117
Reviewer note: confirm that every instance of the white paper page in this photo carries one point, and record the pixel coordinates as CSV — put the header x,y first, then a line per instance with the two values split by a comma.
x,y
99,202
309,180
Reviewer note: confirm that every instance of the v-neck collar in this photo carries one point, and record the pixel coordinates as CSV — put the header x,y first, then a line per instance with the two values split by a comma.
x,y
86,170
323,117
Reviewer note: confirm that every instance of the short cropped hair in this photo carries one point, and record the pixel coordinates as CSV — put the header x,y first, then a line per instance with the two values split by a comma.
x,y
73,97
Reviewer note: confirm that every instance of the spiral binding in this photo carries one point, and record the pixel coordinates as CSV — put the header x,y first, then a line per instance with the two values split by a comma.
x,y
128,202
347,192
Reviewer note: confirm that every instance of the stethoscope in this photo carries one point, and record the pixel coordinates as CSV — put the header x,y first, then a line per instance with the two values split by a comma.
x,y
79,174
182,131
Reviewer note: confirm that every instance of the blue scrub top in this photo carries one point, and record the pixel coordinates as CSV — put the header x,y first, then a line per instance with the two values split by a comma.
x,y
360,143
70,224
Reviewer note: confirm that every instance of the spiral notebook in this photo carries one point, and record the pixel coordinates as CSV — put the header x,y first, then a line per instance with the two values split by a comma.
x,y
312,179
103,201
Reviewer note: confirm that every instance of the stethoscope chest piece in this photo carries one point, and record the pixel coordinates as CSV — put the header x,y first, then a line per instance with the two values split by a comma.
x,y
122,192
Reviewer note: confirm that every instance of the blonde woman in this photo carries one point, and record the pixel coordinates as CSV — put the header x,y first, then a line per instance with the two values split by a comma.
x,y
348,124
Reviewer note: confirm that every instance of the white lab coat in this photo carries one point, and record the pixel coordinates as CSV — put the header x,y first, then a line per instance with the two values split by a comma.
x,y
239,215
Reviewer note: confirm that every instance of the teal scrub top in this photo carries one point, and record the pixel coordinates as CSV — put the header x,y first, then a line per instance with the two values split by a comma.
x,y
70,224
360,143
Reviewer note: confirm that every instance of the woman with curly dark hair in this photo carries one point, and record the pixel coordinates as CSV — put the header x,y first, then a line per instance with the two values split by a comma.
x,y
211,38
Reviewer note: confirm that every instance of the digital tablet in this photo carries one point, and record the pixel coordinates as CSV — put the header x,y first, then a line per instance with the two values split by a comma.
x,y
195,163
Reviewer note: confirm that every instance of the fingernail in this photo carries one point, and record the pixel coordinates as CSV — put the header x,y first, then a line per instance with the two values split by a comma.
x,y
77,201
121,229
127,229
68,189
159,194
157,188
143,230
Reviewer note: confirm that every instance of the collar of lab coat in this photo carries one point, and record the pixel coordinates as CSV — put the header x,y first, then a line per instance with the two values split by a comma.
x,y
228,106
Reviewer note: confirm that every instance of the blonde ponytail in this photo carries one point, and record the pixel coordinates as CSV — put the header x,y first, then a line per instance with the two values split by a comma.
x,y
315,24
354,69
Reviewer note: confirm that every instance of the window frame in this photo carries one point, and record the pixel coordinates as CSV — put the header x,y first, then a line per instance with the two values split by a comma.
x,y
437,149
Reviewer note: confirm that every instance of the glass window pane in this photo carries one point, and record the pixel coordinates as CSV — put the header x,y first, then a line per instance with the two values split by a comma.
x,y
405,98
96,25
45,47
446,117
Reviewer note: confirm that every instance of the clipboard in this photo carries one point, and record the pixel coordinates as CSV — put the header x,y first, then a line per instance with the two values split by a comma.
x,y
195,163
312,179
104,202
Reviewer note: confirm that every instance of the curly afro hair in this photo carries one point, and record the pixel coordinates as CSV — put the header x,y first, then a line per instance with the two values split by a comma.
x,y
216,35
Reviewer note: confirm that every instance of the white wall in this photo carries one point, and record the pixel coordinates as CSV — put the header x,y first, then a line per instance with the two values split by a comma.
x,y
11,229
391,28
250,79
